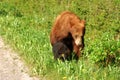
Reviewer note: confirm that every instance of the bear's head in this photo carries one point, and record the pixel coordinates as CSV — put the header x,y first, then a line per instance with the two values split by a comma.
x,y
78,31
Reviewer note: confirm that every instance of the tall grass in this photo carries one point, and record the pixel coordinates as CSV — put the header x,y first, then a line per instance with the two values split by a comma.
x,y
26,25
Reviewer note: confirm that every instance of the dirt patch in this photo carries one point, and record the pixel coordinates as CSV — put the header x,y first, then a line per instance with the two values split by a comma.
x,y
11,67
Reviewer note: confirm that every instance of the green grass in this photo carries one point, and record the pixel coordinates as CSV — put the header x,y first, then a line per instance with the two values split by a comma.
x,y
26,25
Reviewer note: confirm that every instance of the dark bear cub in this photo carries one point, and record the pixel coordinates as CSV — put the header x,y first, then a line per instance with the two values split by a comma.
x,y
61,51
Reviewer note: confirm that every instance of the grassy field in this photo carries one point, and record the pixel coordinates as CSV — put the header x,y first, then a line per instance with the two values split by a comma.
x,y
26,25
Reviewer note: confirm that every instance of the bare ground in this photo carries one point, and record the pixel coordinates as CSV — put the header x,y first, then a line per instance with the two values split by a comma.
x,y
11,67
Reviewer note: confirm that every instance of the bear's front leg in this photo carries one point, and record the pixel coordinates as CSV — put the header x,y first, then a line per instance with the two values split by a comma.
x,y
76,50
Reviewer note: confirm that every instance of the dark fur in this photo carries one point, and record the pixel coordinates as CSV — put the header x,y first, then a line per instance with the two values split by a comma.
x,y
60,49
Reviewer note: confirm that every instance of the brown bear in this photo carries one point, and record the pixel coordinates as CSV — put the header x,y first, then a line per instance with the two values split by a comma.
x,y
67,23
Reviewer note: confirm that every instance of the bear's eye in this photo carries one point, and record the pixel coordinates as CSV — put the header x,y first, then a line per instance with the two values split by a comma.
x,y
76,36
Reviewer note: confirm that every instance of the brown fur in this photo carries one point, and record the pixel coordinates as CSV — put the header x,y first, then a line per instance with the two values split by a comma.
x,y
68,23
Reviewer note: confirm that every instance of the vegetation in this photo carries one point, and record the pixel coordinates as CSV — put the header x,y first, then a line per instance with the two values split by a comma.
x,y
26,24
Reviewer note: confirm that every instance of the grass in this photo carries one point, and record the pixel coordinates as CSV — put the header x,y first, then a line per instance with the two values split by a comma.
x,y
26,25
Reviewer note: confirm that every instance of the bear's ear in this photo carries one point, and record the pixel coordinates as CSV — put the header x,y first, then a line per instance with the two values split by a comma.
x,y
82,21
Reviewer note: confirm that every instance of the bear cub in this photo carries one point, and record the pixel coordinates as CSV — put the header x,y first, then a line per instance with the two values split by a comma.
x,y
61,51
